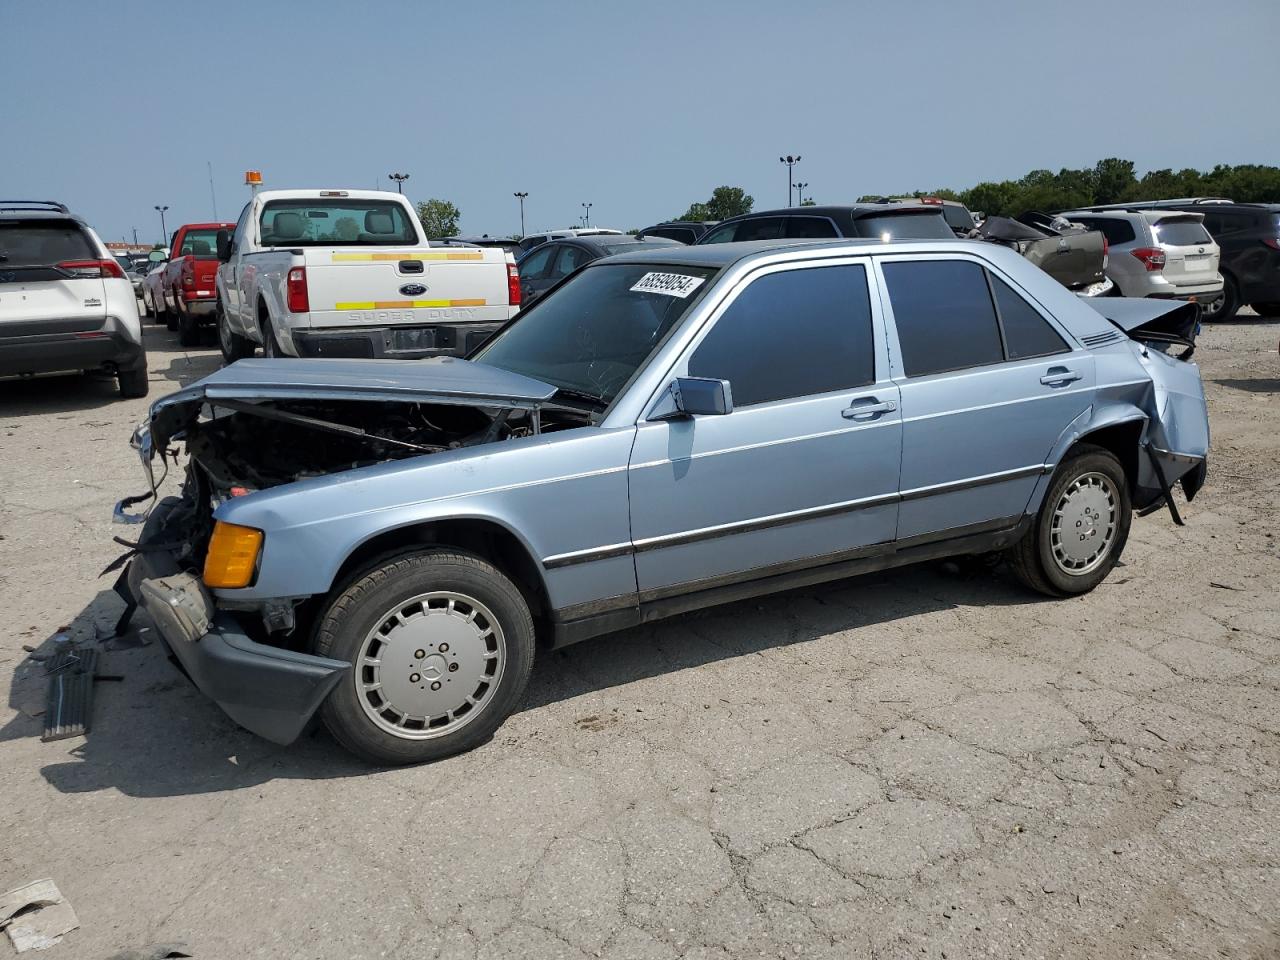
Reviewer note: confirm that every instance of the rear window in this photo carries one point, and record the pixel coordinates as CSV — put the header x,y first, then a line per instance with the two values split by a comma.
x,y
328,222
1181,232
957,217
41,243
924,225
200,243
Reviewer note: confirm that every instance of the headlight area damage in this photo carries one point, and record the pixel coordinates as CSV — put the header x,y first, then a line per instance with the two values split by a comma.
x,y
263,423
1175,444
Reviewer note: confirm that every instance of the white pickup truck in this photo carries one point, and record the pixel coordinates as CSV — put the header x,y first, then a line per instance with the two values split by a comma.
x,y
349,273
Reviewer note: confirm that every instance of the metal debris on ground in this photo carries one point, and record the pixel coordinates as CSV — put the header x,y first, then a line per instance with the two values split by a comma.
x,y
69,701
36,916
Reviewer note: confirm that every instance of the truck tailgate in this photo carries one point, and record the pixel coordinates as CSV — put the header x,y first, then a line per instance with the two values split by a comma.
x,y
347,288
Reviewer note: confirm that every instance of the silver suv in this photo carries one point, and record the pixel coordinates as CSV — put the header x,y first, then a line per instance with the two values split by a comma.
x,y
1157,253
66,304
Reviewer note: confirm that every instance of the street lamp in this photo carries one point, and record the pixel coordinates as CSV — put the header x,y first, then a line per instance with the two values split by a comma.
x,y
790,161
399,178
586,219
164,234
520,196
800,194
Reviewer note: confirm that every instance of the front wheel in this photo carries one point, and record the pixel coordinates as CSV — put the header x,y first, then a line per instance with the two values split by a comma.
x,y
440,644
1081,528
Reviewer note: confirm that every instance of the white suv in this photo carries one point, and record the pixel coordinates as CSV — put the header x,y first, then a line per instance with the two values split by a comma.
x,y
65,303
1157,253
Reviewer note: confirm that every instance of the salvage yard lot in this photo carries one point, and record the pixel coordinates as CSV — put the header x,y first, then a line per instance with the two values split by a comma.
x,y
921,763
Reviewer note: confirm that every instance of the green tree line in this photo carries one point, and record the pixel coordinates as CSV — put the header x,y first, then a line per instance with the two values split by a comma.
x,y
1114,181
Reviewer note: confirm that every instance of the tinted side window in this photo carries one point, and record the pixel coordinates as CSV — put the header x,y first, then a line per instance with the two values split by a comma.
x,y
944,315
1116,231
792,334
766,228
812,227
532,266
570,259
1026,333
721,234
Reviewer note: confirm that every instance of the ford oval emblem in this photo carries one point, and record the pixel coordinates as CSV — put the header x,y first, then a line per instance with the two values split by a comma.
x,y
413,289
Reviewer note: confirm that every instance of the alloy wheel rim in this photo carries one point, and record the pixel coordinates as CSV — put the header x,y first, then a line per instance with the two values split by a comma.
x,y
1084,524
430,665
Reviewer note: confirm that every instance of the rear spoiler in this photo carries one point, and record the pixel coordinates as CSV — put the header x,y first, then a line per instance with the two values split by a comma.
x,y
1152,321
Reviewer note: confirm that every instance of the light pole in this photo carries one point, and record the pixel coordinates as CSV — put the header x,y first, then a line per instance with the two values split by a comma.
x,y
790,161
800,194
586,219
399,178
520,196
164,234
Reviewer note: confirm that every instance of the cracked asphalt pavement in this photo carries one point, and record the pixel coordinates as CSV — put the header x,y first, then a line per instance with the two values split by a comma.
x,y
925,763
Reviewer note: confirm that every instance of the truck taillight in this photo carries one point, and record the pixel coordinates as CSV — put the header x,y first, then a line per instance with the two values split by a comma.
x,y
1152,258
296,291
91,269
513,285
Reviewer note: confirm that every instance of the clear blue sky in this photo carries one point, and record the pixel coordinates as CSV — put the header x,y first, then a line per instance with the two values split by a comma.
x,y
638,107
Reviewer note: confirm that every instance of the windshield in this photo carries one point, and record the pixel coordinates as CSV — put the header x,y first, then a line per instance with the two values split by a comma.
x,y
599,328
329,222
925,225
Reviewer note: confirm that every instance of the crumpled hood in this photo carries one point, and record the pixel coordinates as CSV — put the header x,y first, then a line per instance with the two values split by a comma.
x,y
437,380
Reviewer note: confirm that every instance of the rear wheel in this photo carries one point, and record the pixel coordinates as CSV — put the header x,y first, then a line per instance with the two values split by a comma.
x,y
1225,307
188,329
270,345
133,383
440,643
234,347
1081,528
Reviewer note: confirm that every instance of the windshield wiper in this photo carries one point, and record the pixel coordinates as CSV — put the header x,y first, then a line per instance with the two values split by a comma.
x,y
583,395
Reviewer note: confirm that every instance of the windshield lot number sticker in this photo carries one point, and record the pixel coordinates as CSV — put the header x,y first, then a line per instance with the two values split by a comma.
x,y
670,284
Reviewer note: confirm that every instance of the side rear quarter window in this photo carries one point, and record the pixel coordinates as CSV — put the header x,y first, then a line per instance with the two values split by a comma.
x,y
1026,333
944,315
791,334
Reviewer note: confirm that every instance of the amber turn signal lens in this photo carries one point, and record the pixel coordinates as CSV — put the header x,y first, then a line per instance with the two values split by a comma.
x,y
233,555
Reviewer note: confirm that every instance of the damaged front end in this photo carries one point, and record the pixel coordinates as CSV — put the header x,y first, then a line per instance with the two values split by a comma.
x,y
261,424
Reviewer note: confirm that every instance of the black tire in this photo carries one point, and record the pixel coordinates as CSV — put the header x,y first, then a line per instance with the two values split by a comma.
x,y
1034,558
233,346
359,614
270,345
1266,309
188,329
134,383
163,313
1225,307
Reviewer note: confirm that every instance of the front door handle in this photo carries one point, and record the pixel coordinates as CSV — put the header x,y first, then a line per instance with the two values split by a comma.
x,y
867,408
1060,377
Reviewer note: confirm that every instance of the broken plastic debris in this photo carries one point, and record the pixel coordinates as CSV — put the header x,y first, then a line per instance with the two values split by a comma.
x,y
36,916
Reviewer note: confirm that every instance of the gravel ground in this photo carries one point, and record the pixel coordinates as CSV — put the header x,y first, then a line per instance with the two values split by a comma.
x,y
928,763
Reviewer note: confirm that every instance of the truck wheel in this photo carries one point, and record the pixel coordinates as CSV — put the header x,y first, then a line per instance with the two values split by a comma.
x,y
188,329
134,383
440,643
1081,528
164,313
270,345
234,347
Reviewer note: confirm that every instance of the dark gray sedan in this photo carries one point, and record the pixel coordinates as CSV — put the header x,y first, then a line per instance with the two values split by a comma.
x,y
545,266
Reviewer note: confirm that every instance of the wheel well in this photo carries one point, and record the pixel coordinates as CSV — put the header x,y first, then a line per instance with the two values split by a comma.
x,y
1123,440
484,538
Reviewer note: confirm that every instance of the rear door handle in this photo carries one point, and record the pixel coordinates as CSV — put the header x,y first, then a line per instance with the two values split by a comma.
x,y
1060,377
867,408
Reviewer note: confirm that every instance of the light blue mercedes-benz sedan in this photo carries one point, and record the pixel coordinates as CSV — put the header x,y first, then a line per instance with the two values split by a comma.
x,y
385,544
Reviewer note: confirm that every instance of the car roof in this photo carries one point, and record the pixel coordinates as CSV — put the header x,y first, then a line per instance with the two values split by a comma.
x,y
717,255
854,210
613,240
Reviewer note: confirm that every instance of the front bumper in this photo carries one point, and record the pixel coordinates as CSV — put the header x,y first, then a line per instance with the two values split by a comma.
x,y
54,345
394,343
269,691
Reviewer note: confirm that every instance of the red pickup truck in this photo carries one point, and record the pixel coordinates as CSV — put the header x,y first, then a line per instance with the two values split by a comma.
x,y
188,287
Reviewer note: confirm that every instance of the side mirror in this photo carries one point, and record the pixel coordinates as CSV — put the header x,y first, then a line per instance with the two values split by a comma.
x,y
224,246
694,397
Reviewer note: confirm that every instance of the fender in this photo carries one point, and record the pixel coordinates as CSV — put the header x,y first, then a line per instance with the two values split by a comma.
x,y
1098,416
